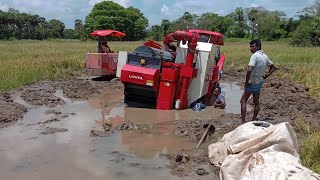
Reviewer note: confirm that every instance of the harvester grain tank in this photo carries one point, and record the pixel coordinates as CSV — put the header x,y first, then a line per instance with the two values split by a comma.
x,y
102,63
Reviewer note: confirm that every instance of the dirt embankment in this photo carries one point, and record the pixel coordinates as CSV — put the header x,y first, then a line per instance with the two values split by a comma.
x,y
282,99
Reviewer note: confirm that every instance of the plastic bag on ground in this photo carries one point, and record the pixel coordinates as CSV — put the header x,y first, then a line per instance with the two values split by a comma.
x,y
198,106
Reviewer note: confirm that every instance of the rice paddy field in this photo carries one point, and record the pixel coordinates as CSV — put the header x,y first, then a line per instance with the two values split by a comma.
x,y
25,62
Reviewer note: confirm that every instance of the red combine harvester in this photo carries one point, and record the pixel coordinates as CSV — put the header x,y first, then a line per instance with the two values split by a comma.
x,y
160,79
105,61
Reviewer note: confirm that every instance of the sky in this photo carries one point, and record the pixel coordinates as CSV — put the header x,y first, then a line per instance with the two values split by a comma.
x,y
154,10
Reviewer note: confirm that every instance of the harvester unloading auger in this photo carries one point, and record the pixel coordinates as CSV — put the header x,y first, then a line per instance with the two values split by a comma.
x,y
155,78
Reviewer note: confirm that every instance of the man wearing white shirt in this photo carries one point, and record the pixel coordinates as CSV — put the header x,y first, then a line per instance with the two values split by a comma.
x,y
255,77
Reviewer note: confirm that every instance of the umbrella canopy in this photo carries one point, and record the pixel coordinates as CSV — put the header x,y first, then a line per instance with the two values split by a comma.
x,y
108,33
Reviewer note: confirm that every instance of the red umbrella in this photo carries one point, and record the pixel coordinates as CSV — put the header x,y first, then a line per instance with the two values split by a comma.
x,y
108,33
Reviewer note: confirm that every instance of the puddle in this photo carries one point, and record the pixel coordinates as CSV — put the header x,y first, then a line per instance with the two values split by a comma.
x,y
59,94
28,153
73,154
233,94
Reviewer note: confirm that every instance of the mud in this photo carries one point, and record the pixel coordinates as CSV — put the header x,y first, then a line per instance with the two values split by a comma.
x,y
281,99
41,94
93,111
51,130
10,111
13,107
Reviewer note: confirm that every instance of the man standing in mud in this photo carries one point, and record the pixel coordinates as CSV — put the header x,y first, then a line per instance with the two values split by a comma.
x,y
255,77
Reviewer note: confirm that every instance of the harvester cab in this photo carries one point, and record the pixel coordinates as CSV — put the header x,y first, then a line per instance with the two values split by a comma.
x,y
156,78
104,61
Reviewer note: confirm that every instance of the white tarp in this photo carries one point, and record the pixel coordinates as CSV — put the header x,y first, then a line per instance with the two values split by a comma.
x,y
255,152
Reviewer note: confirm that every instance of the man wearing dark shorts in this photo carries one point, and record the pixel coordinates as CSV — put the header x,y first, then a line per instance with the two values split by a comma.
x,y
255,77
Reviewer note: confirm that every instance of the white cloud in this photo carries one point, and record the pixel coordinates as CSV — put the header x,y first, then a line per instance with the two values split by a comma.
x,y
254,5
3,7
165,9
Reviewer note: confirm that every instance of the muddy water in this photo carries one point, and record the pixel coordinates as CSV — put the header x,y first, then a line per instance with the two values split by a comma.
x,y
233,94
68,152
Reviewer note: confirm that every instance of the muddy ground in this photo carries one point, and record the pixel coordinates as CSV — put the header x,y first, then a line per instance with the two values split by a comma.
x,y
281,100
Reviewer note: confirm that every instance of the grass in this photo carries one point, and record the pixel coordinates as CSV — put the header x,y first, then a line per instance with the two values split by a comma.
x,y
310,146
25,62
304,62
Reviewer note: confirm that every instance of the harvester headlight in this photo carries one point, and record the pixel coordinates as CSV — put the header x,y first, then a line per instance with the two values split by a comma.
x,y
149,83
142,61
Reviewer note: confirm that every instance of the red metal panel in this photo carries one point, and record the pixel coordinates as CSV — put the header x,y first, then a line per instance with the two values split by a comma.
x,y
221,62
216,37
168,83
140,75
105,63
152,44
109,62
186,72
215,73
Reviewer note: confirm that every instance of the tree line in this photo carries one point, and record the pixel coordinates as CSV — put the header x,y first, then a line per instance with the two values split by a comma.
x,y
254,22
14,24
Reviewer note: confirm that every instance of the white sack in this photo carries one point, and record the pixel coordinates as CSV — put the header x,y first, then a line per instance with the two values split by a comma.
x,y
254,152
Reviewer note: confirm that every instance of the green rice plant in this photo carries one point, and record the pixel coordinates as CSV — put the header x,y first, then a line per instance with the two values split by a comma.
x,y
302,126
310,144
303,61
310,150
26,61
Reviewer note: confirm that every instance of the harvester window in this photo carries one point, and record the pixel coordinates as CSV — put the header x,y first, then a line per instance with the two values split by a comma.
x,y
204,38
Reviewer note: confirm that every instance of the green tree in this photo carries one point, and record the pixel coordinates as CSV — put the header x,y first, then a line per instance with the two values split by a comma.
x,y
21,25
166,26
208,21
290,26
11,10
55,28
70,34
139,24
238,27
78,27
267,23
313,10
156,32
110,15
186,21
308,31
224,23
